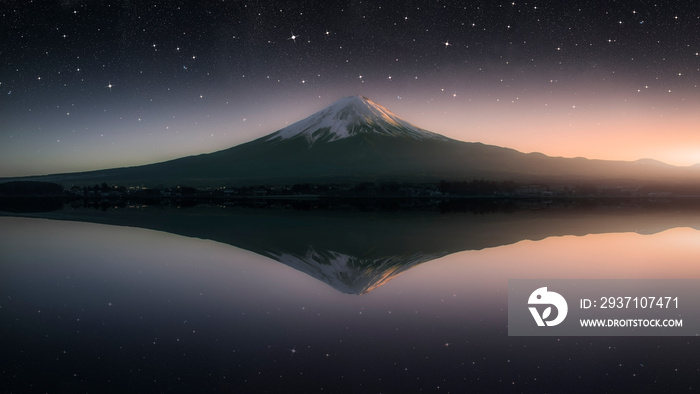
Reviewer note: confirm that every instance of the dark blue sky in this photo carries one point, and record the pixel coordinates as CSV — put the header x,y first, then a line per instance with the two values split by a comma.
x,y
88,84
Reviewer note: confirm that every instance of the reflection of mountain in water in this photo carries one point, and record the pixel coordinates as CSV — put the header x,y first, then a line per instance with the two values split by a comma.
x,y
351,274
356,252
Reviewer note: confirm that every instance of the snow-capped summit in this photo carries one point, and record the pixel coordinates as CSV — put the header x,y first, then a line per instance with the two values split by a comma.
x,y
348,117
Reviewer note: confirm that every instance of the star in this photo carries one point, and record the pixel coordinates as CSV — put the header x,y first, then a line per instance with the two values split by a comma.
x,y
110,86
447,43
293,37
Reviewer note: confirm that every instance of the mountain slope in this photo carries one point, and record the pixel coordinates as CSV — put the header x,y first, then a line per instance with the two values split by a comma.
x,y
348,117
356,140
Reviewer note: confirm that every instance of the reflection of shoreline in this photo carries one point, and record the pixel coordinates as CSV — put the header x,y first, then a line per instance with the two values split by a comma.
x,y
356,250
475,204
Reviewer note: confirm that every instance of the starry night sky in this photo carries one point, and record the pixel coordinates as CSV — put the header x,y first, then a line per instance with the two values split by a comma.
x,y
95,84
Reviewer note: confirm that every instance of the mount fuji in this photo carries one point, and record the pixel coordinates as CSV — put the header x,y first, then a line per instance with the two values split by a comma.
x,y
357,140
351,117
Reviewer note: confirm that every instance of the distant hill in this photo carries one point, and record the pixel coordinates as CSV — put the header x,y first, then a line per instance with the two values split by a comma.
x,y
358,140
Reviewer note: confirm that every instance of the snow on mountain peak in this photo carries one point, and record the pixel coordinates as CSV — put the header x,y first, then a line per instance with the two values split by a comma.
x,y
350,116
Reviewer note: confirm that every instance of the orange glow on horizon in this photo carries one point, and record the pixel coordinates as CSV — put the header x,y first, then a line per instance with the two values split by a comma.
x,y
572,125
671,254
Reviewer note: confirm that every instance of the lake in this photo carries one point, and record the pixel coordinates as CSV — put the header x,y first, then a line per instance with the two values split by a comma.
x,y
334,299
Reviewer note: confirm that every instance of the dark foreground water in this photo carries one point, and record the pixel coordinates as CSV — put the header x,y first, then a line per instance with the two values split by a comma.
x,y
245,300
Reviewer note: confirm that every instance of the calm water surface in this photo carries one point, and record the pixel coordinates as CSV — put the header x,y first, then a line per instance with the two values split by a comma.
x,y
205,301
